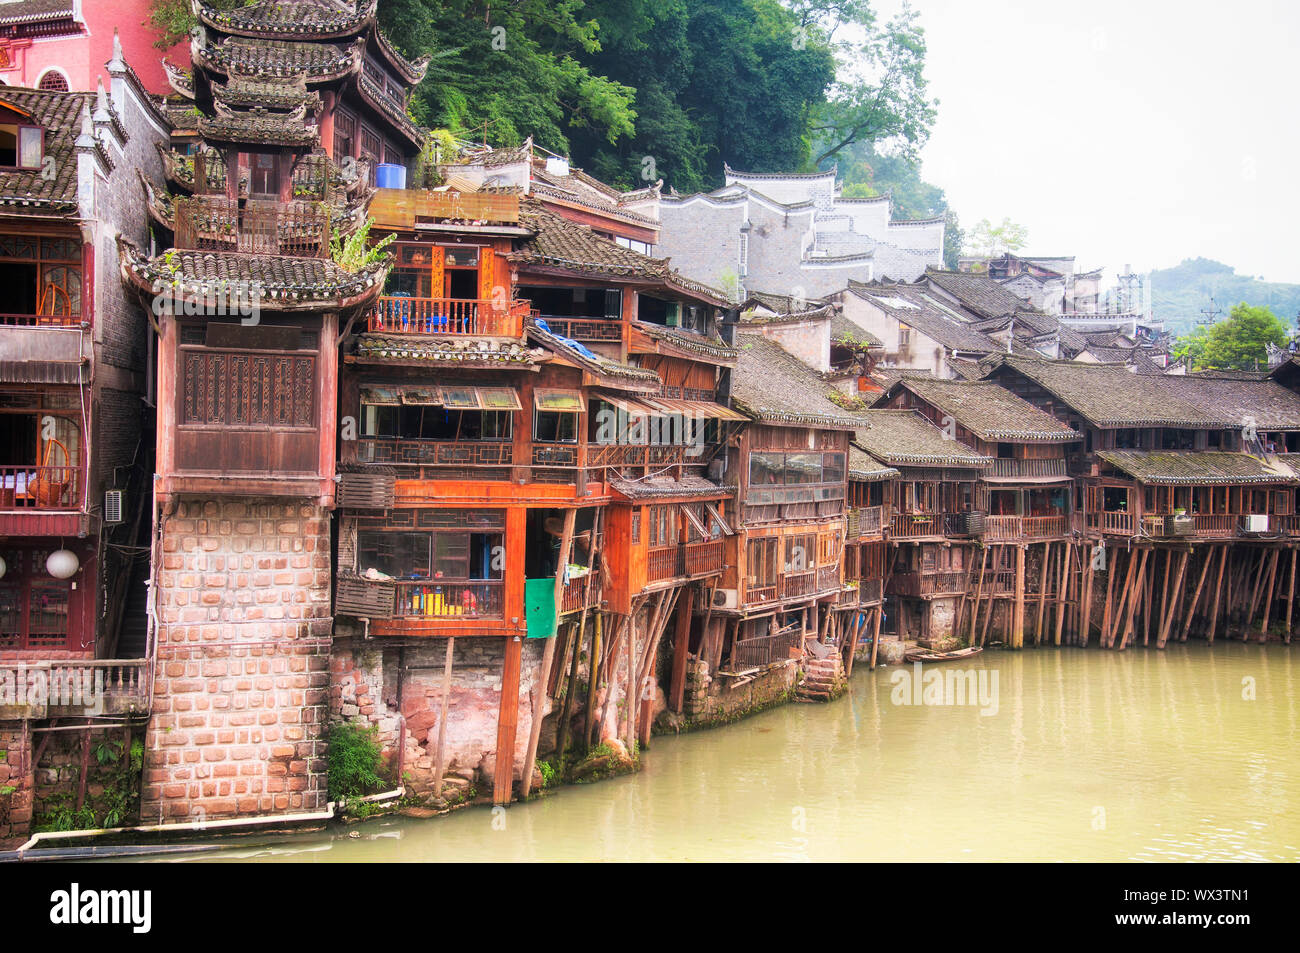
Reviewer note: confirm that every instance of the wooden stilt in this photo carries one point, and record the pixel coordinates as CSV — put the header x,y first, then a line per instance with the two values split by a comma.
x,y
566,713
507,722
1290,595
1112,570
1162,636
1268,595
975,607
1062,592
593,681
1042,595
1085,608
988,617
548,658
1255,592
1218,592
1117,617
1018,612
1134,596
1196,596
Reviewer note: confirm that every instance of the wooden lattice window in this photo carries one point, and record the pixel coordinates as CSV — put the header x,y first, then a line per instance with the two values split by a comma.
x,y
34,606
226,388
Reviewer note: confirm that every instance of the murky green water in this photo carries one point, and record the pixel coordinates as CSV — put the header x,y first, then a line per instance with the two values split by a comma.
x,y
1091,755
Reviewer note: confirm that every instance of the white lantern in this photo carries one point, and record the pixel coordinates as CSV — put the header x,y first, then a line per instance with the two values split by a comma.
x,y
62,564
3,567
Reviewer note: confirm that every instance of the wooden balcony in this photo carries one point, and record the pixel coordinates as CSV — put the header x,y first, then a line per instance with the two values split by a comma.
x,y
636,455
1117,523
927,583
704,558
584,329
49,689
1284,525
1026,527
406,208
436,453
765,650
40,320
217,223
796,584
29,488
443,600
863,522
581,592
1026,468
473,317
916,525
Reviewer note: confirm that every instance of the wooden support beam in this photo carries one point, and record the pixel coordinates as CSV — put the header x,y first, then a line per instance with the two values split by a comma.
x,y
875,634
1268,595
1196,596
1085,608
1255,592
1290,595
1117,616
1063,591
507,722
1042,595
1162,636
682,654
1112,570
855,632
975,607
548,658
1218,591
984,632
566,712
1018,613
1134,595
593,680
440,754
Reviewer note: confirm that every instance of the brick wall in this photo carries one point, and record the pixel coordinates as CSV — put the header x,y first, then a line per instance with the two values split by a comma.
x,y
241,687
366,680
16,773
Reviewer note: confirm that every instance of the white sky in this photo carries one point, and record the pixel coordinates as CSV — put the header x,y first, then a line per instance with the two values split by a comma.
x,y
1139,132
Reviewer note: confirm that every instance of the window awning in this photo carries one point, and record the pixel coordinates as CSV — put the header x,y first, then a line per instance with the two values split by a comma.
x,y
499,398
558,400
453,398
381,396
717,516
696,523
705,409
630,407
421,396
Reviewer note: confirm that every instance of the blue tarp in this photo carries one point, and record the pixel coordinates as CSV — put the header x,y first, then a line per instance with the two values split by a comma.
x,y
568,342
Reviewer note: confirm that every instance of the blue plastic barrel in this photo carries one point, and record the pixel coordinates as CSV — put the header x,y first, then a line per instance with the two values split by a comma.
x,y
390,175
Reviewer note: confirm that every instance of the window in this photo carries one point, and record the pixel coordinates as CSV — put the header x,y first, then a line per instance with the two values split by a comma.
x,y
468,548
53,80
663,525
263,174
345,130
35,607
800,552
21,146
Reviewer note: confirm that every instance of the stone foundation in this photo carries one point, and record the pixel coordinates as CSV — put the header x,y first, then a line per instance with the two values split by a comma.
x,y
711,700
241,681
16,783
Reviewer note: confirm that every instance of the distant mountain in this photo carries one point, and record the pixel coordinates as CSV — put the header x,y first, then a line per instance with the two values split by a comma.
x,y
1179,294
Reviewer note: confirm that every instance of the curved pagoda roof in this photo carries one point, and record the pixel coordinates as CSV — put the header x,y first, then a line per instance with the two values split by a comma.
x,y
285,19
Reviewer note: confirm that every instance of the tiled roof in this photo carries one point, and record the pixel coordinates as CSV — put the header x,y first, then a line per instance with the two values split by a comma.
x,y
987,409
269,93
904,437
784,306
446,350
257,125
980,293
33,11
639,378
1110,395
314,62
306,18
281,283
1265,403
30,191
689,342
867,469
1198,466
660,487
773,386
910,305
844,331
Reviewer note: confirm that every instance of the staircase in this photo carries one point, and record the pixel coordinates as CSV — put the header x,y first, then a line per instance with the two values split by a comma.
x,y
823,680
132,640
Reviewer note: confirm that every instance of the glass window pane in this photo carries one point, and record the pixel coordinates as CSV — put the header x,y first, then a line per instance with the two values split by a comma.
x,y
29,147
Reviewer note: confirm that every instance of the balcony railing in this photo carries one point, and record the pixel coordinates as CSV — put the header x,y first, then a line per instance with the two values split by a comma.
x,y
795,584
40,320
1027,468
75,688
440,453
927,583
912,525
636,455
665,562
704,557
864,521
1026,527
1283,525
477,317
764,650
450,600
1109,521
581,592
828,578
585,329
217,223
39,488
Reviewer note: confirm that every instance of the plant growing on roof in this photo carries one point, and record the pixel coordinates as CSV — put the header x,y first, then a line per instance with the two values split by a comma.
x,y
354,253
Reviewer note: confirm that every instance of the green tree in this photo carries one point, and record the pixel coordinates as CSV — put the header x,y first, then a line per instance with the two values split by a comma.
x,y
1240,342
880,95
953,236
987,240
1191,347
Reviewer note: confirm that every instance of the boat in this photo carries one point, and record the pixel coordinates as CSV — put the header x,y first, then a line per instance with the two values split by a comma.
x,y
925,655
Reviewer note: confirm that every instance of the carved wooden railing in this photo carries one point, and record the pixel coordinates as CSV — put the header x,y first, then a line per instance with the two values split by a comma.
x,y
1025,527
863,521
39,488
704,557
448,453
764,650
51,689
217,223
911,525
477,317
585,329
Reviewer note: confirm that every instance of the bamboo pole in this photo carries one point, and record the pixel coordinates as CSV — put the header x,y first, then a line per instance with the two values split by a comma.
x,y
440,759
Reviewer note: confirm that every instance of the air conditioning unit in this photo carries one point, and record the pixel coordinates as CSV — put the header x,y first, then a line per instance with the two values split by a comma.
x,y
725,598
113,504
1256,523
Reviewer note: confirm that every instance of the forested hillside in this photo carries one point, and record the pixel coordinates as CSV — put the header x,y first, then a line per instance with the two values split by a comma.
x,y
1179,294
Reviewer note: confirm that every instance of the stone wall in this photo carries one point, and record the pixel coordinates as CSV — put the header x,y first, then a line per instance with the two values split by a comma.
x,y
15,774
241,687
394,685
716,701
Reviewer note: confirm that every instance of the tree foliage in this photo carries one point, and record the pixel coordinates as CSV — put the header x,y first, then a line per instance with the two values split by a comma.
x,y
987,240
1239,342
1179,294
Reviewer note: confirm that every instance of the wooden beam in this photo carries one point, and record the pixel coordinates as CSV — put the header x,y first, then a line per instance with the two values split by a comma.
x,y
566,712
1290,595
1133,598
548,658
1085,597
593,680
975,607
1042,594
507,722
1196,596
1162,636
875,637
440,755
1062,592
1218,591
1108,609
1018,612
1268,595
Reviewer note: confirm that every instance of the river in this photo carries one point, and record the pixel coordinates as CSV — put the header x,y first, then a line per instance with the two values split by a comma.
x,y
1092,755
